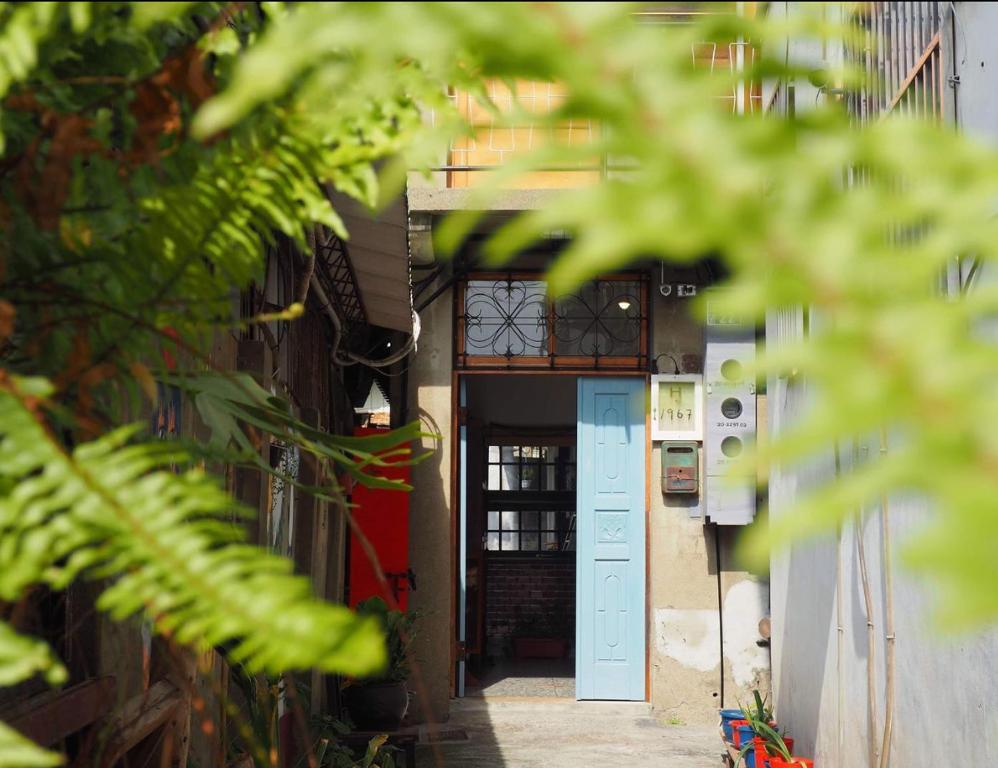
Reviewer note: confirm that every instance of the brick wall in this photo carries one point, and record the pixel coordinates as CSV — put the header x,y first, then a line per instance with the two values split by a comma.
x,y
528,596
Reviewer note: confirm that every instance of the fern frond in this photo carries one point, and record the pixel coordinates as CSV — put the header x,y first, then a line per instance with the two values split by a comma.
x,y
16,751
20,659
23,657
113,509
227,401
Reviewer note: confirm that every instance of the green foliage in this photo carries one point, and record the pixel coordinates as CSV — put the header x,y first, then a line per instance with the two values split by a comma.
x,y
125,239
229,403
399,629
18,752
773,741
259,732
150,154
114,509
329,753
854,222
21,658
761,710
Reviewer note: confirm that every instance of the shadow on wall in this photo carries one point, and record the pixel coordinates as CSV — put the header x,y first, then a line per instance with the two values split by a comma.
x,y
808,619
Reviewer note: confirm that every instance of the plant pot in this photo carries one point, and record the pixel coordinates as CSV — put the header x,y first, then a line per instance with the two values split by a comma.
x,y
727,715
761,747
539,647
797,762
377,706
735,725
744,734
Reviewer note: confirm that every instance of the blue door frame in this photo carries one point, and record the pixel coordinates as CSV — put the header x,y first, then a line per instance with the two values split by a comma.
x,y
610,557
462,592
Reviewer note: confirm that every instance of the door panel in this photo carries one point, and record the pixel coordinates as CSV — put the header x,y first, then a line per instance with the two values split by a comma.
x,y
610,606
383,516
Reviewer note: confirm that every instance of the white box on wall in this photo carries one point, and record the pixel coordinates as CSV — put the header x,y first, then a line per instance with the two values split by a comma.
x,y
677,406
729,416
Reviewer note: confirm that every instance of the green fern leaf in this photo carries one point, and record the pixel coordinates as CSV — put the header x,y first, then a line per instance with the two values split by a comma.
x,y
16,751
23,657
112,509
226,401
20,659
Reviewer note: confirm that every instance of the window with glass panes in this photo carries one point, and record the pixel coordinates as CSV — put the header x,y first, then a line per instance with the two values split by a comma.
x,y
530,498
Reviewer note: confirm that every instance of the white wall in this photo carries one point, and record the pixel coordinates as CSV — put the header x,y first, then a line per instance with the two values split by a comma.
x,y
947,687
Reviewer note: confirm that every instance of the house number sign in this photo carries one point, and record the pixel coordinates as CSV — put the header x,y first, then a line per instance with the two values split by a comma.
x,y
677,407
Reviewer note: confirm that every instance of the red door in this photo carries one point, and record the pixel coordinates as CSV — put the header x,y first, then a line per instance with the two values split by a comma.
x,y
383,517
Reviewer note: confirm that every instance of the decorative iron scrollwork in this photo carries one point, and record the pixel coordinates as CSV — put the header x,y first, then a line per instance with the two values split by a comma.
x,y
514,320
506,318
602,319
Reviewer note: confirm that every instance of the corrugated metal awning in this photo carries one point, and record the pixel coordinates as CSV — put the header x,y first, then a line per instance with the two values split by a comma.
x,y
378,250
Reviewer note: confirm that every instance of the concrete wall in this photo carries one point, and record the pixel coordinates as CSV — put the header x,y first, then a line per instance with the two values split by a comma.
x,y
430,511
683,618
946,685
684,621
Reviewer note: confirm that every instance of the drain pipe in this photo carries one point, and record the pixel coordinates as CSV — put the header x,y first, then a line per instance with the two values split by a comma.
x,y
885,517
720,602
871,639
839,627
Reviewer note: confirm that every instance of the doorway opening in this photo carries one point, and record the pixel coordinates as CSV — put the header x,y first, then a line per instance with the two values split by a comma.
x,y
520,476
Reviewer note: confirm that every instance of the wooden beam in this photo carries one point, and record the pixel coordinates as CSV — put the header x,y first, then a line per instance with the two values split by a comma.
x,y
50,717
140,717
916,68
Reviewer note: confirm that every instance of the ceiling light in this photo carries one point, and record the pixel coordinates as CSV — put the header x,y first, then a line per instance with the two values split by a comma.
x,y
624,304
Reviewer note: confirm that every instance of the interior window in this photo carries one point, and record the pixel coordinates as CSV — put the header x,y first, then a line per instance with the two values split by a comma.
x,y
530,498
531,468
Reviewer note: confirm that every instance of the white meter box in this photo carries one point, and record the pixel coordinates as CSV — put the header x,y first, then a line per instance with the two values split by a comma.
x,y
677,407
730,421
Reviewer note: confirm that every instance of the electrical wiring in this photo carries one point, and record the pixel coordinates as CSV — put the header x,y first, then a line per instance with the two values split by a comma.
x,y
350,358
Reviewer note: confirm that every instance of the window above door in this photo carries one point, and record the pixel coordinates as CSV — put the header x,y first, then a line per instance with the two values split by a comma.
x,y
508,320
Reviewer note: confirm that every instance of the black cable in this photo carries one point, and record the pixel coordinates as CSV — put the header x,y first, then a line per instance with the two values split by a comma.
x,y
720,603
665,354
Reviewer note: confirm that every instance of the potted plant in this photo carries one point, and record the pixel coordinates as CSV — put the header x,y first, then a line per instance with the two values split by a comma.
x,y
769,748
727,717
739,731
380,703
541,638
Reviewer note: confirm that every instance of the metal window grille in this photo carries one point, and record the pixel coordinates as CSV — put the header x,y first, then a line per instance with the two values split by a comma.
x,y
508,320
902,59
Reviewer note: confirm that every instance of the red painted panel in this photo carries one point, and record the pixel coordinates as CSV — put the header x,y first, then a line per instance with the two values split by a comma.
x,y
383,517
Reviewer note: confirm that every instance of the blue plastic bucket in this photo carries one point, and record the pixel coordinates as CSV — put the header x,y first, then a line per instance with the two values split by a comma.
x,y
745,735
727,715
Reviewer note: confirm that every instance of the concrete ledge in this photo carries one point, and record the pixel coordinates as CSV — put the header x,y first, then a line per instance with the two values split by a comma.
x,y
437,200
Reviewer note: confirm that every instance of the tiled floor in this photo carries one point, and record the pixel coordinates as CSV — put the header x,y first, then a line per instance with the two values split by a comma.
x,y
534,677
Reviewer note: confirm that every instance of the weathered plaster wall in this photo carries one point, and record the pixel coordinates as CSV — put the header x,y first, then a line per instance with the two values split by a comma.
x,y
430,511
684,622
683,619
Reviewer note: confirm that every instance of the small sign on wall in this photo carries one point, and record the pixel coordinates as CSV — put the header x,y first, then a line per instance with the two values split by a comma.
x,y
677,406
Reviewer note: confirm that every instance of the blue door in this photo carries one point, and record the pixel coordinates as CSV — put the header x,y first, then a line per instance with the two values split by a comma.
x,y
610,583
